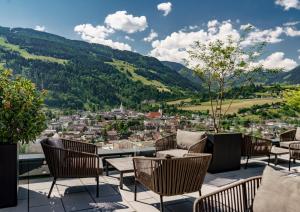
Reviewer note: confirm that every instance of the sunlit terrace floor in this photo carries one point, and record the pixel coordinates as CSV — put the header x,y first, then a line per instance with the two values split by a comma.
x,y
79,194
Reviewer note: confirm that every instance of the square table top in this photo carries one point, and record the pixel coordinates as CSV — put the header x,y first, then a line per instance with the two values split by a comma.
x,y
123,164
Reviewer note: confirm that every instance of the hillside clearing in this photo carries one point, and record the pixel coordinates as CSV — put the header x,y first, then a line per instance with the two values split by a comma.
x,y
236,105
127,67
27,55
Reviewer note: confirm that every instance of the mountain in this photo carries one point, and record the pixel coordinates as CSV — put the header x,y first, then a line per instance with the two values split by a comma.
x,y
183,71
81,75
289,77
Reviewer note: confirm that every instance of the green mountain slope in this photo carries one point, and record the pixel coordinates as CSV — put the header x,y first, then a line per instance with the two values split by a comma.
x,y
83,75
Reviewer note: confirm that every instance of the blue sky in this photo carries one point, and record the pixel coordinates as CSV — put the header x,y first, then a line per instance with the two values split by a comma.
x,y
175,24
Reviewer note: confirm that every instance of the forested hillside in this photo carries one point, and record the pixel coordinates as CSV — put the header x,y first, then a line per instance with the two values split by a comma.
x,y
80,75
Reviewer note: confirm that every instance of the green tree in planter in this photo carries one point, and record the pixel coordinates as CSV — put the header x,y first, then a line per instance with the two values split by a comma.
x,y
21,116
222,65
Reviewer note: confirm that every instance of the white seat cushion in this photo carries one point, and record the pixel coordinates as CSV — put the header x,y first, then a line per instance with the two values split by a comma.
x,y
173,152
297,135
278,192
185,139
286,144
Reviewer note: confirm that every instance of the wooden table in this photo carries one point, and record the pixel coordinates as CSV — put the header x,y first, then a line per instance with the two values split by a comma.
x,y
123,165
277,151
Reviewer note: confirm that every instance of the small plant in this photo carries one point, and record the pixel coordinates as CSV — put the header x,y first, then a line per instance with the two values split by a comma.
x,y
221,65
21,116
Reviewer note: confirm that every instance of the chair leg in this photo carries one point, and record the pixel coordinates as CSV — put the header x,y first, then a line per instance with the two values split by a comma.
x,y
161,204
53,183
247,162
294,160
200,193
97,192
290,164
135,190
269,158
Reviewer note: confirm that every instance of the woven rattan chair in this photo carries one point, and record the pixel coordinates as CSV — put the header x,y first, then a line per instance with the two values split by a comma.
x,y
237,197
71,159
294,153
255,146
171,176
169,143
288,137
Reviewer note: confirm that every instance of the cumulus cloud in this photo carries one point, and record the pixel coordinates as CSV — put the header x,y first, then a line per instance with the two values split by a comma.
x,y
99,34
292,23
123,21
290,31
40,28
165,7
174,46
288,4
277,61
152,35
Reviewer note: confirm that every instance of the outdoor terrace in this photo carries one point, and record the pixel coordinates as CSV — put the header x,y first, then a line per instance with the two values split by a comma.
x,y
79,194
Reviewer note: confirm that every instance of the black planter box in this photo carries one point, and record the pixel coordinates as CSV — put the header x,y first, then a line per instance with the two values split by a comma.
x,y
226,151
8,175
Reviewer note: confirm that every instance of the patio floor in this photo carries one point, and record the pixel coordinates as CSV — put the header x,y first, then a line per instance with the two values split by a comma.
x,y
79,194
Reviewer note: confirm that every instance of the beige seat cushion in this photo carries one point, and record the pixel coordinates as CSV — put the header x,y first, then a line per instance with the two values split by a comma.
x,y
297,135
172,152
278,192
286,144
185,139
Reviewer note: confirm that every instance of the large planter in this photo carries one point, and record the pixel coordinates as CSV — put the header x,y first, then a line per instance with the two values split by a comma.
x,y
226,151
8,175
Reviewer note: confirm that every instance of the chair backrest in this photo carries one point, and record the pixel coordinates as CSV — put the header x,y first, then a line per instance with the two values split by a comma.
x,y
236,197
176,176
255,146
185,139
54,154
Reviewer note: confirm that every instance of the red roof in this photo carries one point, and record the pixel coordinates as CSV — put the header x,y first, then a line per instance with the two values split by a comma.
x,y
153,115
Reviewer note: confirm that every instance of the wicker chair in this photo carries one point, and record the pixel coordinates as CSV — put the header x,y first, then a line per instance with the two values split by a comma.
x,y
165,177
71,159
287,138
255,146
169,143
294,153
237,197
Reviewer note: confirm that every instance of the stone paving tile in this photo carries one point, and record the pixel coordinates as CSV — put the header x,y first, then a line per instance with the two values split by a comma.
x,y
104,190
147,205
40,198
77,201
48,208
110,203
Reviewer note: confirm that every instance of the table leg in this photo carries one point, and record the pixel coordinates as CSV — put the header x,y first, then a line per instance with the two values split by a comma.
x,y
276,160
107,169
121,180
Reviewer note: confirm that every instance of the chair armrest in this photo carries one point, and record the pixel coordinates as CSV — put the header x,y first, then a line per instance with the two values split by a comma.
x,y
236,197
165,143
198,147
143,170
288,135
79,146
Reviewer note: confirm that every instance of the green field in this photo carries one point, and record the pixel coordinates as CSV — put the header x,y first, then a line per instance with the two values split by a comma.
x,y
176,102
127,67
236,105
27,55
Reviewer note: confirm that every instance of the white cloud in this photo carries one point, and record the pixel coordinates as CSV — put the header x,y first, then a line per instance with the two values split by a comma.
x,y
277,61
292,23
288,4
98,34
165,7
174,46
267,35
152,35
40,28
128,38
290,31
122,21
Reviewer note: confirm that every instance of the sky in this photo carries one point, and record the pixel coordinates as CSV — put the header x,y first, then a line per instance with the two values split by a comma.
x,y
165,29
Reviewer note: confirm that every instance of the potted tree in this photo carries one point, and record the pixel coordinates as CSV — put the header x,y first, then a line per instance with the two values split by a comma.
x,y
21,120
221,65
